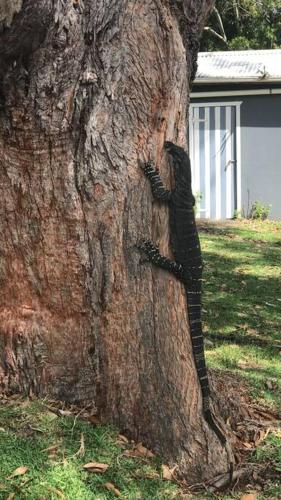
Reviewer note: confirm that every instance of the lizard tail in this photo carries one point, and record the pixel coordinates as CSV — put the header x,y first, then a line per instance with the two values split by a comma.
x,y
210,420
197,340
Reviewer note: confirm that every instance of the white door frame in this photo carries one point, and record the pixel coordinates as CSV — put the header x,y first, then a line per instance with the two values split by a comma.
x,y
192,151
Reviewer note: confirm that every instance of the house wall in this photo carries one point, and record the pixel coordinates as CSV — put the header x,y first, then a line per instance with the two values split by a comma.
x,y
260,149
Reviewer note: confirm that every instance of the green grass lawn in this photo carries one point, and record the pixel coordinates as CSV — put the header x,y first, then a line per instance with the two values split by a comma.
x,y
242,299
50,447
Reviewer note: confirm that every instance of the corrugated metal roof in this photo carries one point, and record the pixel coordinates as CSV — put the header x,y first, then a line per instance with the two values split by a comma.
x,y
240,65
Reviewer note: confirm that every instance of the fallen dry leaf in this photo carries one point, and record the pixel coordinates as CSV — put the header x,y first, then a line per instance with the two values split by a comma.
x,y
252,331
51,415
25,404
248,365
58,492
94,420
262,436
150,475
270,385
249,496
11,496
51,449
111,487
247,445
81,451
95,467
122,438
244,326
143,451
18,472
130,453
65,413
168,473
138,451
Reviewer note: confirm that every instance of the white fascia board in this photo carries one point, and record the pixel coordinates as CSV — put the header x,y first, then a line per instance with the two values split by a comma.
x,y
232,93
216,103
218,80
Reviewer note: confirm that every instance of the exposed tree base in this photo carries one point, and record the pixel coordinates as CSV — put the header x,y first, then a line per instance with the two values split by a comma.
x,y
244,416
249,423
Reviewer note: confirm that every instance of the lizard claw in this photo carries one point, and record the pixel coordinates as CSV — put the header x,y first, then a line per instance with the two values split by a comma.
x,y
146,246
143,260
147,167
142,245
144,164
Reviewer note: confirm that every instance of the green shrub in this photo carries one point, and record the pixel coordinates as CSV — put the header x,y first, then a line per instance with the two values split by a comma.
x,y
260,210
237,214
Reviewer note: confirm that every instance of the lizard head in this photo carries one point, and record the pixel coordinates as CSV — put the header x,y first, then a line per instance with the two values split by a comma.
x,y
181,162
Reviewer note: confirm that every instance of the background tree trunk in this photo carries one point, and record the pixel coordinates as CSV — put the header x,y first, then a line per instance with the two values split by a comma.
x,y
88,88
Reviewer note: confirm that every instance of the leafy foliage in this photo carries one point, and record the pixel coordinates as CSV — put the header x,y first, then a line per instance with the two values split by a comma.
x,y
260,210
242,25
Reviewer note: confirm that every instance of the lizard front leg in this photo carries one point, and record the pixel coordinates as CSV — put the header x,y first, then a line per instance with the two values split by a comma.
x,y
153,255
158,190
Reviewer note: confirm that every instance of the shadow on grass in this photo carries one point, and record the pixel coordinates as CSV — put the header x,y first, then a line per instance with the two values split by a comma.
x,y
261,251
240,293
265,373
260,232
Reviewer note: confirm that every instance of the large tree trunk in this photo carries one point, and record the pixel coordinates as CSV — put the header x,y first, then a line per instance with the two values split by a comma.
x,y
87,89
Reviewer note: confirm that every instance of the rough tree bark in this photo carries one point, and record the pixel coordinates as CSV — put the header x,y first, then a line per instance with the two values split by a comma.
x,y
87,88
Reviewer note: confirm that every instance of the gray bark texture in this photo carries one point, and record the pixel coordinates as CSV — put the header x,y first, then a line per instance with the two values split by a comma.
x,y
87,89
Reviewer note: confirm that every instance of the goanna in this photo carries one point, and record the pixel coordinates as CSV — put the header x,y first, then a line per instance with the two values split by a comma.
x,y
188,264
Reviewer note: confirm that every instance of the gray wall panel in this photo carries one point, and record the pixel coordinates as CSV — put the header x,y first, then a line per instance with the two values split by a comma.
x,y
260,149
